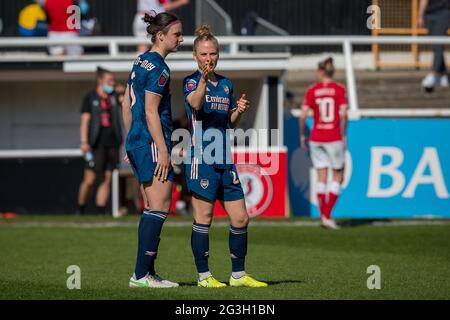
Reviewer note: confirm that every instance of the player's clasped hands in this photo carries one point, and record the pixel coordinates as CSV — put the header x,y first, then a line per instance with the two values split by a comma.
x,y
163,166
243,104
207,70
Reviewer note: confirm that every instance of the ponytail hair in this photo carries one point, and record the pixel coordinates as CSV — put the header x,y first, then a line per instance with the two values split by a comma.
x,y
327,66
203,33
159,22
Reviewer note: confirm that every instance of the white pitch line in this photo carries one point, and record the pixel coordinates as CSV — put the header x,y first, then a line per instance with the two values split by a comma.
x,y
179,224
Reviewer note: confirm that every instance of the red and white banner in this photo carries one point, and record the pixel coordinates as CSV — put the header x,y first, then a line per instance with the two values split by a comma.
x,y
263,176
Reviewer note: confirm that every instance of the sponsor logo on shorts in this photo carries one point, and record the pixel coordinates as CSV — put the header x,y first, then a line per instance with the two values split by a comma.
x,y
204,183
150,253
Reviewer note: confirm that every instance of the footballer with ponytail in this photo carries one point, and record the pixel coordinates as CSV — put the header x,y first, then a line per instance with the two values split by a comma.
x,y
148,122
327,143
211,105
159,23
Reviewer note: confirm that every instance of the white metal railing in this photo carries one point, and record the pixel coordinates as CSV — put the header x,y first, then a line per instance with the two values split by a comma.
x,y
347,42
208,11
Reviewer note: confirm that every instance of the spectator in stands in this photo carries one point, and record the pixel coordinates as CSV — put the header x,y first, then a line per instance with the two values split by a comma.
x,y
100,139
62,26
32,20
146,6
436,15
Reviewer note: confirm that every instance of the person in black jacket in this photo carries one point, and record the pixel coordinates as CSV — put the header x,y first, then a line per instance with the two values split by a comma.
x,y
100,139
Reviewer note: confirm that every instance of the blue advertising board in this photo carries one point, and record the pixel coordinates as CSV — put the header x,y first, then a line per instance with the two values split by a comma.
x,y
395,168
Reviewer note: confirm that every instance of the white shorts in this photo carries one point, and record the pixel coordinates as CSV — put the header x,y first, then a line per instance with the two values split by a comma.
x,y
72,50
327,154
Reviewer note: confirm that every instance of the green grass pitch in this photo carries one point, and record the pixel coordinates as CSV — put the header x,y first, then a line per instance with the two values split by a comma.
x,y
299,262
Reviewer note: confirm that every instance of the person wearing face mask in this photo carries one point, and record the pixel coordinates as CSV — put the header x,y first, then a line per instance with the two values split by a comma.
x,y
100,139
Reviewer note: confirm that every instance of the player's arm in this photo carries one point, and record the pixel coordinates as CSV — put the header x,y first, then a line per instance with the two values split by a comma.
x,y
152,101
242,106
308,103
84,128
343,116
126,114
84,125
126,110
302,124
197,97
344,121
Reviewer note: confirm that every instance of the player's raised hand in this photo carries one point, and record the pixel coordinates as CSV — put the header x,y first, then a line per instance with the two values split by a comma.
x,y
207,70
243,104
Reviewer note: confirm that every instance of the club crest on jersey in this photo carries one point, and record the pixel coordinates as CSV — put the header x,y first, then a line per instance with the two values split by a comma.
x,y
163,78
226,89
191,85
204,183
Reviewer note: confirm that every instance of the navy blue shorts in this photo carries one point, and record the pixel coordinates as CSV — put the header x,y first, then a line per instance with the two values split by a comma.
x,y
213,183
143,160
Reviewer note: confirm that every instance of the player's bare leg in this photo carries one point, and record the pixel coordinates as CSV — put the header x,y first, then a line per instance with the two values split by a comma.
x,y
144,196
237,212
158,195
104,190
86,188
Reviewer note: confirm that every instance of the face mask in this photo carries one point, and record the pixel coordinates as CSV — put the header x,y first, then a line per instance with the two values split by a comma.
x,y
84,7
108,89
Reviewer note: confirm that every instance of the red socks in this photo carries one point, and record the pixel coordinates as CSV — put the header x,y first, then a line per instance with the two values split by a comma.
x,y
334,189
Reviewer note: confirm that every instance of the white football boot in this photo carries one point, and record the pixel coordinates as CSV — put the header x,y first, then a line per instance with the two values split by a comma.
x,y
150,281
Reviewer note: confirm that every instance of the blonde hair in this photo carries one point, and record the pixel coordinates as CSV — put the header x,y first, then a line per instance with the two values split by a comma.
x,y
327,66
203,33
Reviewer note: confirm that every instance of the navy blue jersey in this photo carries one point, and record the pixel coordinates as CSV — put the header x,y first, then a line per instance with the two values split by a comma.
x,y
150,73
215,112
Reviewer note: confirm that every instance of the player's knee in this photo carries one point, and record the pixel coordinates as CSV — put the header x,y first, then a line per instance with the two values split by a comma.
x,y
241,221
89,180
161,205
203,216
107,180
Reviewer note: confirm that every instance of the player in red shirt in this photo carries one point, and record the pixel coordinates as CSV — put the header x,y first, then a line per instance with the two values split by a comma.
x,y
327,99
62,17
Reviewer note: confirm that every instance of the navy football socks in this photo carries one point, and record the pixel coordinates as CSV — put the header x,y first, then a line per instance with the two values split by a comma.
x,y
200,246
238,248
149,231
